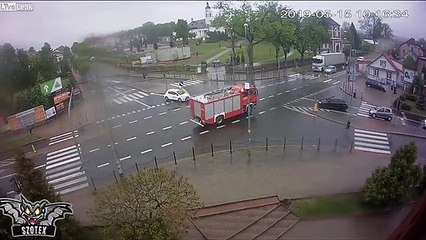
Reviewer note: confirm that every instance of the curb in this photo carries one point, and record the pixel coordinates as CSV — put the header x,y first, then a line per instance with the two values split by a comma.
x,y
407,135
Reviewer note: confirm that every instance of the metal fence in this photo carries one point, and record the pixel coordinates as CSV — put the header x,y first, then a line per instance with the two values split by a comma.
x,y
198,154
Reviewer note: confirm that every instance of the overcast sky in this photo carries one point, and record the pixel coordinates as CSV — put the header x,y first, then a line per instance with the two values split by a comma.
x,y
62,23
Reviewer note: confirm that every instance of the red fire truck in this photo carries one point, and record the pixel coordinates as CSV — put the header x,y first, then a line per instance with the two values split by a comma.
x,y
216,106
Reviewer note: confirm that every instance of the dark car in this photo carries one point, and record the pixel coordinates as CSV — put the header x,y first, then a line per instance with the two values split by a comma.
x,y
375,85
334,104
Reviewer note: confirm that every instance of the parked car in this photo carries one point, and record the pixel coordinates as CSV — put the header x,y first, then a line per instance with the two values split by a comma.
x,y
424,124
375,85
381,112
360,59
177,94
330,69
334,104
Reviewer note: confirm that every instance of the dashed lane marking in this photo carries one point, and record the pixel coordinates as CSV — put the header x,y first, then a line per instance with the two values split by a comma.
x,y
125,158
103,165
166,144
162,113
221,126
166,128
204,132
130,139
177,109
261,99
150,133
185,122
185,138
236,121
116,126
146,151
145,118
134,121
272,108
270,96
262,112
94,150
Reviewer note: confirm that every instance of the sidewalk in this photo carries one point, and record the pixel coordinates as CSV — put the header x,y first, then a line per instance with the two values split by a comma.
x,y
292,173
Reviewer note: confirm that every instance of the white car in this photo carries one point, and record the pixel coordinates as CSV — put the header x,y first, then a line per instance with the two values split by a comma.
x,y
360,58
330,69
424,124
177,95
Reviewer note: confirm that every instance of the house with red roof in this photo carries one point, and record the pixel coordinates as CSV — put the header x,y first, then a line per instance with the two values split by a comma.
x,y
386,70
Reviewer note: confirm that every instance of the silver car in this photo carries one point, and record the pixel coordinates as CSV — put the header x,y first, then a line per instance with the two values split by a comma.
x,y
424,124
381,112
330,69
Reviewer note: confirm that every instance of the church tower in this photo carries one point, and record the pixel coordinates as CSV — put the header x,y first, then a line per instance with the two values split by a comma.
x,y
209,17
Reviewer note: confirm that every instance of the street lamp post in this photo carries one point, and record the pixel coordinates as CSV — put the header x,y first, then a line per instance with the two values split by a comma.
x,y
249,108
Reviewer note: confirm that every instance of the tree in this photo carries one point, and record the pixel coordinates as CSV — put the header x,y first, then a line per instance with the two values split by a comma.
x,y
152,204
7,66
422,42
346,51
418,84
248,23
47,65
390,185
5,233
316,33
302,36
35,187
387,32
409,62
30,98
354,37
225,20
280,31
182,31
372,26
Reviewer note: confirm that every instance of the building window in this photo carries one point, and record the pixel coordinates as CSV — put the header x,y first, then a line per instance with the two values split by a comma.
x,y
376,72
389,75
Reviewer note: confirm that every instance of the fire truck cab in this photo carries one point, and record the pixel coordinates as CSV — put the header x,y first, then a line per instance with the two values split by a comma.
x,y
216,106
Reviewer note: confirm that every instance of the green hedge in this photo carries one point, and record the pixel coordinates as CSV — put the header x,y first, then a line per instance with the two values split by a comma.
x,y
406,107
411,97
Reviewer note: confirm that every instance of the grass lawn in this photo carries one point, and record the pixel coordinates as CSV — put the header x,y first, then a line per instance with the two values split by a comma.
x,y
205,51
414,109
17,141
335,205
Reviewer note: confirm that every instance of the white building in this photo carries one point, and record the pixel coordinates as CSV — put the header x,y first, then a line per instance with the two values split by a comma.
x,y
386,70
203,26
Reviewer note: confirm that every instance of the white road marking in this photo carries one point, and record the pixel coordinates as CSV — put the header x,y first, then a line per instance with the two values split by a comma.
x,y
307,85
145,118
146,151
370,132
372,150
103,165
293,89
128,113
221,126
130,139
261,99
336,82
261,87
94,150
61,150
238,120
125,158
270,85
139,110
62,140
185,138
162,113
116,126
279,93
270,96
370,136
127,98
134,121
123,115
146,105
287,91
150,133
116,101
272,108
145,94
166,144
185,122
203,132
177,109
138,95
326,81
262,112
168,127
370,140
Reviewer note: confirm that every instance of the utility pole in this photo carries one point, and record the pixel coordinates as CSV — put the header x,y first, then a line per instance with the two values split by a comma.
x,y
69,117
249,108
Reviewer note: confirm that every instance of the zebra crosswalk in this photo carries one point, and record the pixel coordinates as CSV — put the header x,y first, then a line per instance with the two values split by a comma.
x,y
63,170
128,97
305,110
364,109
63,137
371,141
186,83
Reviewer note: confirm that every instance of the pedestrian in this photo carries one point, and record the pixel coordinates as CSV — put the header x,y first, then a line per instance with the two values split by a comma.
x,y
31,131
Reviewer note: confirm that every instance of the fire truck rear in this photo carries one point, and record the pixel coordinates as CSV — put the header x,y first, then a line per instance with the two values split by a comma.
x,y
216,106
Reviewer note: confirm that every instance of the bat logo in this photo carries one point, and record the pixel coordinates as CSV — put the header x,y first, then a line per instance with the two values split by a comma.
x,y
33,218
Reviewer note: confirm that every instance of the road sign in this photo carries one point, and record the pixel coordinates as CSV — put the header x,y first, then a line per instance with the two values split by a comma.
x,y
51,86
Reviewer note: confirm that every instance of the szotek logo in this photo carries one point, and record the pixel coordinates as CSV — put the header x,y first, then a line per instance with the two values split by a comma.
x,y
34,218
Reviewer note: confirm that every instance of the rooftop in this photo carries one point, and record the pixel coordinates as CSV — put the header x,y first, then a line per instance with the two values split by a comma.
x,y
218,94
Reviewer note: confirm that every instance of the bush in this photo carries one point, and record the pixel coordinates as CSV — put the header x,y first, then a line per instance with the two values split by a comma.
x,y
402,98
411,97
406,107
